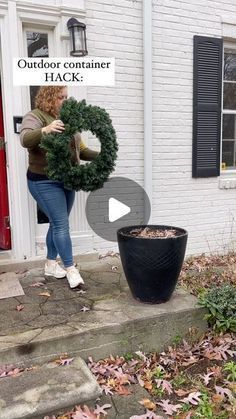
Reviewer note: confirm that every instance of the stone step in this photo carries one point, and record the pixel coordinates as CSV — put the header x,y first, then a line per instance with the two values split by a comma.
x,y
112,326
46,390
11,265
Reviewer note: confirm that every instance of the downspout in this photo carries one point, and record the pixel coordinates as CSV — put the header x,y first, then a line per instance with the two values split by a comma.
x,y
147,82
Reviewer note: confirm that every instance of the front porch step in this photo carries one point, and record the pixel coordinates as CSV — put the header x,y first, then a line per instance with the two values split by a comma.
x,y
104,320
112,326
46,390
11,265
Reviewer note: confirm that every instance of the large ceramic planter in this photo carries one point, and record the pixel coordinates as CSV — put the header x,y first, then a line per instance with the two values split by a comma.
x,y
152,265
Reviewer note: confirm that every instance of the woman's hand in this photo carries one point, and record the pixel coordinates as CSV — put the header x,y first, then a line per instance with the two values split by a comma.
x,y
55,126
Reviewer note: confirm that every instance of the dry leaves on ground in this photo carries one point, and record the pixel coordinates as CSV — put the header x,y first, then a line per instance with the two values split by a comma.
x,y
175,377
20,307
202,272
37,284
45,294
84,309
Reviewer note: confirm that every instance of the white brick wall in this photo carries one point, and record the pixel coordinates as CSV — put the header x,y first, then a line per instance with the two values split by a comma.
x,y
198,205
115,29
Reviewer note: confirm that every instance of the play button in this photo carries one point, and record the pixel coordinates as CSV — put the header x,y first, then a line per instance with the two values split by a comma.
x,y
117,210
120,203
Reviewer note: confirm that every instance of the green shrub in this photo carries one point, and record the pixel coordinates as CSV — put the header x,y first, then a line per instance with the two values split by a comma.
x,y
221,304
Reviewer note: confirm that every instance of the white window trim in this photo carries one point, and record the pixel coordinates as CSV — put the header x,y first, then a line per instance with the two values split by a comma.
x,y
227,178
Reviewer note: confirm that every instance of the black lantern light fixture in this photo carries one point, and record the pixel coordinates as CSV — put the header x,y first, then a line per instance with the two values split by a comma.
x,y
77,37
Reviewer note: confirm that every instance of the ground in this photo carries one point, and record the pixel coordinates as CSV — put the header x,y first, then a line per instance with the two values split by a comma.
x,y
188,380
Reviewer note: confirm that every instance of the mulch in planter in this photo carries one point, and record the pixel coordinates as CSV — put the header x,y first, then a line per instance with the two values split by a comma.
x,y
153,233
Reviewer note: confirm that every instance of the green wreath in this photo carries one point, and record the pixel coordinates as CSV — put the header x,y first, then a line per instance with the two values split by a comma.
x,y
78,117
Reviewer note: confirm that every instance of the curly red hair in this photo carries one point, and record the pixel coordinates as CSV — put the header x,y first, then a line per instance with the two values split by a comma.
x,y
46,98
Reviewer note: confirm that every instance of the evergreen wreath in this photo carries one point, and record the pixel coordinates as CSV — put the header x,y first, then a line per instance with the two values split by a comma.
x,y
78,117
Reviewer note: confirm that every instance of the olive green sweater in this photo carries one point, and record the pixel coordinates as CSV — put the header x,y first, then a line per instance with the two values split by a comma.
x,y
31,135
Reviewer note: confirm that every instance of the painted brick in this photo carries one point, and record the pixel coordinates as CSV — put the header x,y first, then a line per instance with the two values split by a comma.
x,y
116,30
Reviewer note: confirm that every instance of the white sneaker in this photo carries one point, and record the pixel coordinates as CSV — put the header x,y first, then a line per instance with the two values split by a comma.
x,y
74,278
54,270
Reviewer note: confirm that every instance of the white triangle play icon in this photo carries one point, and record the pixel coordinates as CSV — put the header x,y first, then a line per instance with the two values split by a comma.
x,y
117,209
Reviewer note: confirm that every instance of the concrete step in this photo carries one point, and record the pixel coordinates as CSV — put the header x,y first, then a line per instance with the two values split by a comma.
x,y
11,265
112,326
103,320
46,390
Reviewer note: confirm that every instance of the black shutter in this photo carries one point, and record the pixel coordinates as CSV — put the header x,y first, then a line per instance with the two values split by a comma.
x,y
207,86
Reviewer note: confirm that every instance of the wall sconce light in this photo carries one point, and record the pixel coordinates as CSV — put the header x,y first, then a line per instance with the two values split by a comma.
x,y
77,37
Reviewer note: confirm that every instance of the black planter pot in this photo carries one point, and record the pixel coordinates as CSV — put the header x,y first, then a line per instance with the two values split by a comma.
x,y
152,265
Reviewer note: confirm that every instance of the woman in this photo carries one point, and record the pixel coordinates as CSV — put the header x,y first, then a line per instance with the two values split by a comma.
x,y
51,196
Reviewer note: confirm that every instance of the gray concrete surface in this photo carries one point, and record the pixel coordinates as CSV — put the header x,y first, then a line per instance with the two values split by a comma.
x,y
8,265
47,388
115,322
58,322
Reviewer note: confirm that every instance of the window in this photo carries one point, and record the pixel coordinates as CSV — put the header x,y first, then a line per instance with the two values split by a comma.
x,y
229,111
37,46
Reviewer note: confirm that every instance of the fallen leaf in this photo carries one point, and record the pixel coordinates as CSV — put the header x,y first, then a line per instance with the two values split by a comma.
x,y
107,390
141,355
169,408
190,361
37,284
63,360
212,355
111,382
193,398
20,307
224,392
84,309
83,413
224,351
45,294
217,398
123,391
15,372
148,404
140,381
165,385
66,361
148,385
181,392
217,371
4,370
101,409
207,378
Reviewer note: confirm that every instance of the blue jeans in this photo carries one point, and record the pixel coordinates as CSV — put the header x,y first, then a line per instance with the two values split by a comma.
x,y
56,202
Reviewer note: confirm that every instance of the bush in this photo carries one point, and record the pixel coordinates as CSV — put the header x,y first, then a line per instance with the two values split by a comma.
x,y
221,304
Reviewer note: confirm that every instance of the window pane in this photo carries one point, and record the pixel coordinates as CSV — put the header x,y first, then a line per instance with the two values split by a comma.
x,y
37,46
229,141
229,95
228,154
229,127
230,65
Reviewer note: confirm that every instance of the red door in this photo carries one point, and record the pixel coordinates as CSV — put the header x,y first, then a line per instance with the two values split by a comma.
x,y
5,236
